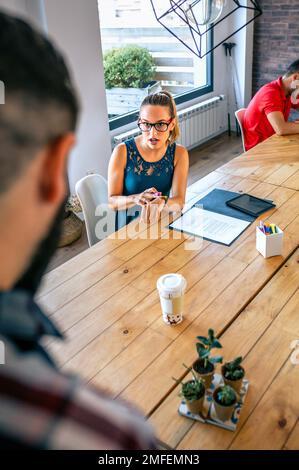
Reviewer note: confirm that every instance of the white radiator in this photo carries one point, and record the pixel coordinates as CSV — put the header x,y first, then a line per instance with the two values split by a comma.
x,y
198,123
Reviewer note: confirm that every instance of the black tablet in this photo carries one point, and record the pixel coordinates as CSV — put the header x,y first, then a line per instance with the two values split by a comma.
x,y
250,204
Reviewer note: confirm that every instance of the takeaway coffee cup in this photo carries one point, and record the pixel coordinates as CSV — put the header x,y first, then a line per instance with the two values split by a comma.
x,y
171,289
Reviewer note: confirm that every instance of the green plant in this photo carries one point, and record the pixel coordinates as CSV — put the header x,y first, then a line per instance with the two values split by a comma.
x,y
193,389
232,370
128,67
226,395
204,347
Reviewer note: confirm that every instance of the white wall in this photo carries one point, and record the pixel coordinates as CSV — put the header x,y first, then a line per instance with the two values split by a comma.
x,y
14,6
243,54
30,10
74,24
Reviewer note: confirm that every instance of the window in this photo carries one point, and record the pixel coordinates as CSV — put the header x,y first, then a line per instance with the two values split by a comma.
x,y
126,23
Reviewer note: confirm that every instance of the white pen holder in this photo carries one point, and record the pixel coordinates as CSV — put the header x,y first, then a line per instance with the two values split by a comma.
x,y
269,245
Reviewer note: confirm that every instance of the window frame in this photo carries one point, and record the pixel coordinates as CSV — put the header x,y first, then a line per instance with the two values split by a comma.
x,y
125,119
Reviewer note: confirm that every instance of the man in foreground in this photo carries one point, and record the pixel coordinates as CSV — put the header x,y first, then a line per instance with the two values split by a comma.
x,y
41,407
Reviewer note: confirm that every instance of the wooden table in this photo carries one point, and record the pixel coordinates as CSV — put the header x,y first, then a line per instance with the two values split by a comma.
x,y
106,302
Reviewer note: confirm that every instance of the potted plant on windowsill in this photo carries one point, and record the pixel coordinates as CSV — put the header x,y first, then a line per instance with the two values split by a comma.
x,y
224,398
129,76
233,373
193,391
204,366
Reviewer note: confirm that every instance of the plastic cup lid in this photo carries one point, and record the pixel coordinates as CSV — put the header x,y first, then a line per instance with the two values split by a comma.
x,y
171,283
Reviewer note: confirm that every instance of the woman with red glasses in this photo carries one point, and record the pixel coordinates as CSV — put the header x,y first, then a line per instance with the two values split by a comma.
x,y
149,173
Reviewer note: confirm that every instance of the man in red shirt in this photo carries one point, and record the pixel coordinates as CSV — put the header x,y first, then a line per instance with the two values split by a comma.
x,y
269,109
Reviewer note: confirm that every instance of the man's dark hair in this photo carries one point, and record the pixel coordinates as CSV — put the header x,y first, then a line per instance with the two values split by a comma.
x,y
293,68
40,100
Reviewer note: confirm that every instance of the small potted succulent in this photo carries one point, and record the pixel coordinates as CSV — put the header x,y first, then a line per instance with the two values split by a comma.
x,y
233,373
204,366
193,391
224,398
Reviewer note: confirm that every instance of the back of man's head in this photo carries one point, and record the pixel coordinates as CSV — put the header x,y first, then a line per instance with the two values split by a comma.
x,y
37,122
40,101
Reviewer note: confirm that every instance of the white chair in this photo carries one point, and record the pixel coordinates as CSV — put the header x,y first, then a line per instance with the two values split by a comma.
x,y
240,118
92,191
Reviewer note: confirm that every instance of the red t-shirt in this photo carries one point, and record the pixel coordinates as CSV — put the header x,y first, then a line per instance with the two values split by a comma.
x,y
268,99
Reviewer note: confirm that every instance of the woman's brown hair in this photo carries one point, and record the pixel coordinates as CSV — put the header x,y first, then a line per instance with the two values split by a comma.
x,y
164,98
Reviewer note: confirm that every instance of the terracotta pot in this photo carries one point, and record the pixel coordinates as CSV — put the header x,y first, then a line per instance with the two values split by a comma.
x,y
224,413
207,377
195,406
235,384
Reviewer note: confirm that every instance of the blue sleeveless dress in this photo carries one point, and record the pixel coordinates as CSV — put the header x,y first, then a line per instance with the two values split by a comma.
x,y
140,175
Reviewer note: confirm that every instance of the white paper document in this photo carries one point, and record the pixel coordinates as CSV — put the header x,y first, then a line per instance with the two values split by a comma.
x,y
210,225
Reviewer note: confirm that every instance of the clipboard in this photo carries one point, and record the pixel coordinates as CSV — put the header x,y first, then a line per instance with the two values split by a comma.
x,y
213,208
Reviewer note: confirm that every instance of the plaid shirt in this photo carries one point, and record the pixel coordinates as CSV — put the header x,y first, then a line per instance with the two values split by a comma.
x,y
42,408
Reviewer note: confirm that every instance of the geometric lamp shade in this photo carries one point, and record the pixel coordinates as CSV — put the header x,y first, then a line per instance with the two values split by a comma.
x,y
201,16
